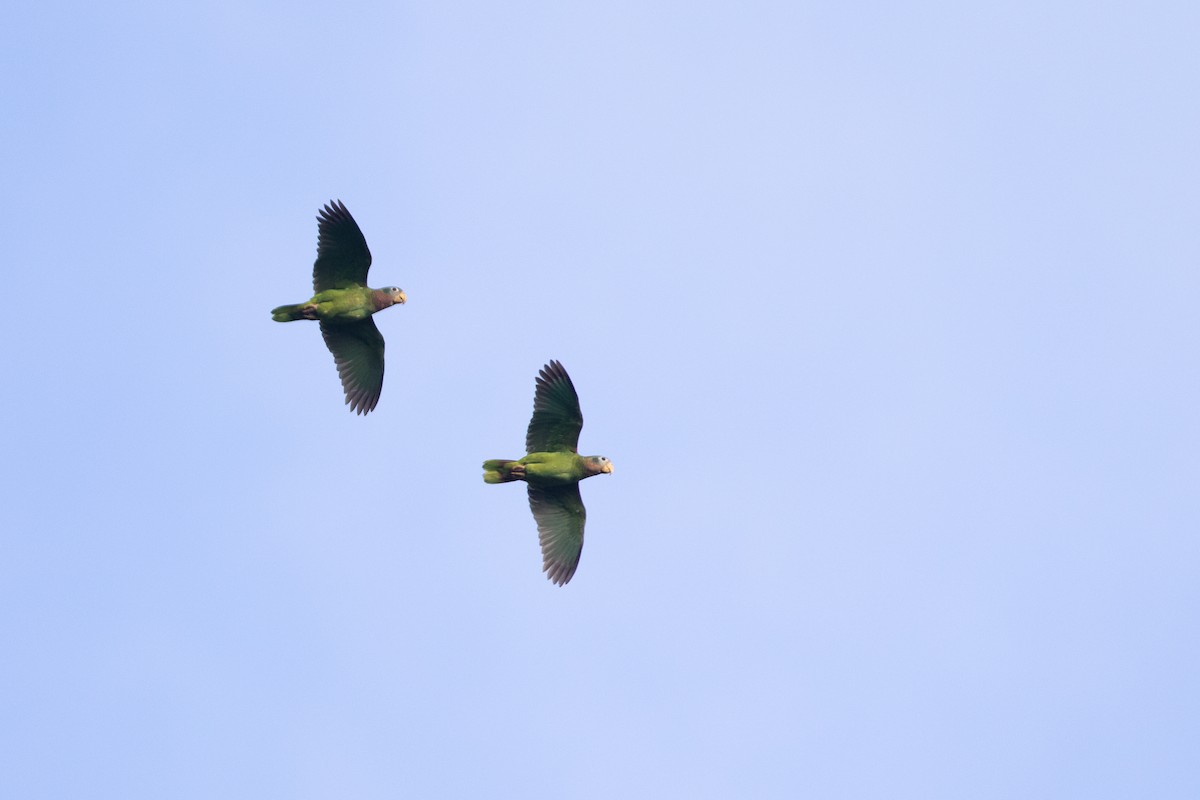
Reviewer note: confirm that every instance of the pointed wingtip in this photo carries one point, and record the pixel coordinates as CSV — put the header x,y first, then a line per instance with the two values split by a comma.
x,y
551,371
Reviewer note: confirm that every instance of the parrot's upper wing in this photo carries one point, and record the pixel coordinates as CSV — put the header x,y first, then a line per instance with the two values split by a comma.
x,y
342,255
557,419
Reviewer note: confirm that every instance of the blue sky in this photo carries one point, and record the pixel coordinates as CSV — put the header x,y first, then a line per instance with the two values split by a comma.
x,y
885,313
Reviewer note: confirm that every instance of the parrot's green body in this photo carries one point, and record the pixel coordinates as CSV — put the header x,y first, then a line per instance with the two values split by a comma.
x,y
553,469
352,304
343,304
544,469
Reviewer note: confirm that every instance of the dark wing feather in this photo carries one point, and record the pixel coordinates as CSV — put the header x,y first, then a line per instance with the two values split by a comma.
x,y
560,517
342,255
357,348
557,419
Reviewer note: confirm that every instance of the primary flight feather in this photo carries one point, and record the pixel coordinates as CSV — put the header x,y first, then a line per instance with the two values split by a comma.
x,y
343,304
553,469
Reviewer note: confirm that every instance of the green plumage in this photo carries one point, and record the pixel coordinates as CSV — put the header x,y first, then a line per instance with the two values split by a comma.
x,y
344,304
553,469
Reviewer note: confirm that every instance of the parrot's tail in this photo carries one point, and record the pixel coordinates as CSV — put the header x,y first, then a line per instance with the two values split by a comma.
x,y
298,311
498,470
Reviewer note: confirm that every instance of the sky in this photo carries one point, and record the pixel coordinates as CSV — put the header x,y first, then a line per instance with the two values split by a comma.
x,y
886,314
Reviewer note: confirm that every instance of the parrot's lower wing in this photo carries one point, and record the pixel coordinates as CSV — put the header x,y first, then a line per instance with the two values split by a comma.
x,y
560,517
357,349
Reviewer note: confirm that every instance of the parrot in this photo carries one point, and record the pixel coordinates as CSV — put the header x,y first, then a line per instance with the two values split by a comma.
x,y
552,469
343,304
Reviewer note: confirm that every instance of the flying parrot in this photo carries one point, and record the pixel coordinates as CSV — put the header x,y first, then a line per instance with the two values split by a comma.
x,y
553,469
344,304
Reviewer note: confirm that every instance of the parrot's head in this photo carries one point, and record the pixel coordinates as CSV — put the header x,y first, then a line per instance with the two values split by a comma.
x,y
396,294
599,464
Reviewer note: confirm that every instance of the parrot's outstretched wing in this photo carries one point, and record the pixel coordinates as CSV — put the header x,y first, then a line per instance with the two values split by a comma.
x,y
560,518
357,348
342,255
557,419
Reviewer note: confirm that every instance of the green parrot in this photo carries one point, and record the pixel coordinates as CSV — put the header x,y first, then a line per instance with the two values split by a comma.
x,y
344,304
553,470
